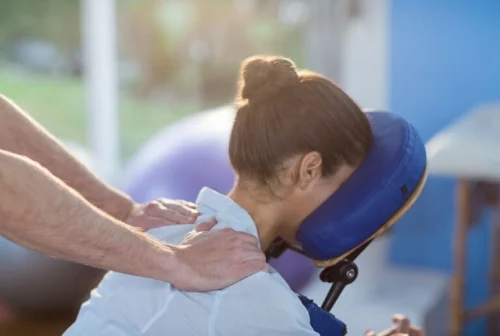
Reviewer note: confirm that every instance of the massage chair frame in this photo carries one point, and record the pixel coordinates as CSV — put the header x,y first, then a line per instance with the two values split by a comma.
x,y
342,271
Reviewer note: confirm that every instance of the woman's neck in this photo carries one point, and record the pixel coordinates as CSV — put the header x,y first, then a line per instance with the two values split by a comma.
x,y
265,213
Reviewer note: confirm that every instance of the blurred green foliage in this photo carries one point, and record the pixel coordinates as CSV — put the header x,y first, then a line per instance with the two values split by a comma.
x,y
53,20
156,36
58,104
161,51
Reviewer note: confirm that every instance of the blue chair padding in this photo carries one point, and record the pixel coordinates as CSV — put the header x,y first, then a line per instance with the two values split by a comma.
x,y
324,323
372,195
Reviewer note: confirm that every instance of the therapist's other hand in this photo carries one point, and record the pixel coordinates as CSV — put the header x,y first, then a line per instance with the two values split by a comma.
x,y
401,327
161,212
215,260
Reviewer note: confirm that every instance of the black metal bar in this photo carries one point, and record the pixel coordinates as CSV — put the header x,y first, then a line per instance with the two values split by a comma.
x,y
339,275
333,295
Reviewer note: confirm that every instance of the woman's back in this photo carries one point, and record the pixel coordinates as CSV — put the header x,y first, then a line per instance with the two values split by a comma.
x,y
261,304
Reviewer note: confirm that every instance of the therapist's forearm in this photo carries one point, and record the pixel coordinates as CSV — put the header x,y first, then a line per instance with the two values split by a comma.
x,y
22,135
40,212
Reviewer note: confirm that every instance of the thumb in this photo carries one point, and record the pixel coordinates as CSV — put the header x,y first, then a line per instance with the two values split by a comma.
x,y
205,226
402,322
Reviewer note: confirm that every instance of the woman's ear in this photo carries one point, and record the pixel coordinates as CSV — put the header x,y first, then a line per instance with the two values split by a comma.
x,y
309,169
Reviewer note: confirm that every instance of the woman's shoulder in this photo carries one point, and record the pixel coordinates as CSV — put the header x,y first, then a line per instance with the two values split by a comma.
x,y
266,291
260,303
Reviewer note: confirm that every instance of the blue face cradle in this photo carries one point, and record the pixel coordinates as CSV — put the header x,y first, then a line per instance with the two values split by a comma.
x,y
388,177
383,188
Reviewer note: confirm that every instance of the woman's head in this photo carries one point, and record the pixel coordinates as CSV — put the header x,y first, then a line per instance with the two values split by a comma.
x,y
296,134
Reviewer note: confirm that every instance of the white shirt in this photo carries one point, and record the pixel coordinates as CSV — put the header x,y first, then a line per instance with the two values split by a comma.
x,y
262,304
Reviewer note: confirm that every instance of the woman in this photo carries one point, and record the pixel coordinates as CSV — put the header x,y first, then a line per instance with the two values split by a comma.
x,y
296,138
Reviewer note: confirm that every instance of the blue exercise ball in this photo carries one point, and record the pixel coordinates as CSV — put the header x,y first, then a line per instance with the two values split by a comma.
x,y
181,159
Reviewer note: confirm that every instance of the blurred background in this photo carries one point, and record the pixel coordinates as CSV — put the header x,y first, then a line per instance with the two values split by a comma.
x,y
141,90
174,58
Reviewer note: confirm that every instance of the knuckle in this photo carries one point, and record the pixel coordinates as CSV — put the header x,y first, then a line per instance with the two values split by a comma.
x,y
234,242
234,238
227,231
153,205
261,257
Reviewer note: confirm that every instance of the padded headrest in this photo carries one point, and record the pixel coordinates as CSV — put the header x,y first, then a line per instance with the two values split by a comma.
x,y
384,182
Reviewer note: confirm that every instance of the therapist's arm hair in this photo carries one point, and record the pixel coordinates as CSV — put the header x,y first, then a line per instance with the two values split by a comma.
x,y
21,134
38,211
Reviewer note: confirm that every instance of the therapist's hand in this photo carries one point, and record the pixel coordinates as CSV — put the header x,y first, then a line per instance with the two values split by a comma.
x,y
208,261
401,327
162,212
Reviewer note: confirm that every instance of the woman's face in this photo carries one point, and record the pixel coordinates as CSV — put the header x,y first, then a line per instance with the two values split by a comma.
x,y
307,190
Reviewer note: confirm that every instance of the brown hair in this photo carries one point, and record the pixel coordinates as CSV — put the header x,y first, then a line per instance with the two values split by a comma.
x,y
283,112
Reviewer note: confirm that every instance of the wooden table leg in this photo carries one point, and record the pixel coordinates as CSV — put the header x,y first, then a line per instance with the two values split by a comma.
x,y
460,258
494,318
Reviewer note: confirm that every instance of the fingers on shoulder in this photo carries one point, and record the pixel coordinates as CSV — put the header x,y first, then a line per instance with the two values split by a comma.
x,y
205,226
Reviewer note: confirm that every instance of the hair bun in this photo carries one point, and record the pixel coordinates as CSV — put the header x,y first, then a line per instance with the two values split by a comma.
x,y
261,77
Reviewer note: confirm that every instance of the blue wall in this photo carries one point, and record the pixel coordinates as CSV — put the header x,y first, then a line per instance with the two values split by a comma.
x,y
444,60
